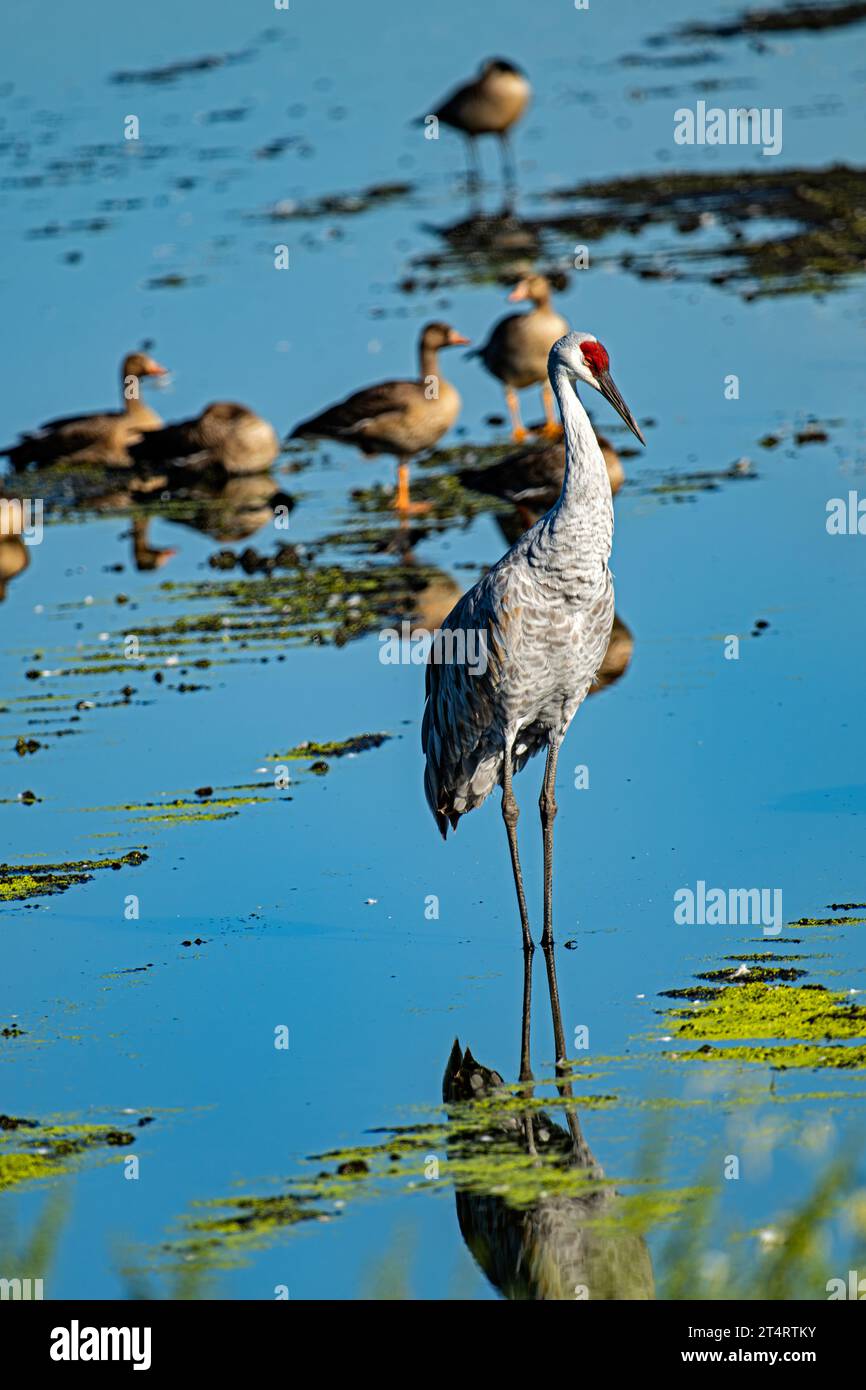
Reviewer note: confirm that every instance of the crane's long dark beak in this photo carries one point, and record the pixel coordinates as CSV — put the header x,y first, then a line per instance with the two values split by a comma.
x,y
608,389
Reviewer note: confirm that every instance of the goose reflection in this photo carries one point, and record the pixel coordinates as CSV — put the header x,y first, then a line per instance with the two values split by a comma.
x,y
564,1243
480,245
231,508
14,554
147,557
223,507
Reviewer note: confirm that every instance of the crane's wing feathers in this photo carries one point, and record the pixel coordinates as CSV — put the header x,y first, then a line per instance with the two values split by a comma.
x,y
460,733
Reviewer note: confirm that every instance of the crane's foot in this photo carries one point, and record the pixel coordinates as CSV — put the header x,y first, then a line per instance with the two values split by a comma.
x,y
518,434
551,430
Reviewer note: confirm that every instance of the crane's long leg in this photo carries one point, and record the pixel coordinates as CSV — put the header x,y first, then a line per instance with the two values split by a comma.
x,y
510,814
563,1085
526,1078
547,807
555,1009
526,1019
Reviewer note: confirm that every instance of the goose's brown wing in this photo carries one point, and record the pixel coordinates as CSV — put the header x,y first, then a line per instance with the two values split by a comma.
x,y
65,435
369,404
171,442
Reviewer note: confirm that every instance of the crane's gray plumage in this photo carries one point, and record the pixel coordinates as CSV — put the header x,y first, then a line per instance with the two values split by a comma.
x,y
546,611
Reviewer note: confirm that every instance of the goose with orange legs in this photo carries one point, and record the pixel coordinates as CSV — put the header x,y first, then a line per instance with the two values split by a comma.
x,y
98,438
517,349
402,418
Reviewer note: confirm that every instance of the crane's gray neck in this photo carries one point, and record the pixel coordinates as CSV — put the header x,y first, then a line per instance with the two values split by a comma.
x,y
585,496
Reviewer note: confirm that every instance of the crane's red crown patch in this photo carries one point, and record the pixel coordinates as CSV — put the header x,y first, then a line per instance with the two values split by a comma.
x,y
596,356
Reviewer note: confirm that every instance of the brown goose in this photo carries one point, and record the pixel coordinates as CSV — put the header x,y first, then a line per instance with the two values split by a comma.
x,y
488,105
402,418
227,435
102,438
516,351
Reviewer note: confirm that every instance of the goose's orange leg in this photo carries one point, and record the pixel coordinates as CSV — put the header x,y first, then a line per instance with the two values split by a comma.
x,y
402,502
551,426
518,433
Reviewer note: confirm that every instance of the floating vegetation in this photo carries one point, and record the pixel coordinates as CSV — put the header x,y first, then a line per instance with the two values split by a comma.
x,y
829,921
782,1058
315,604
470,1153
203,805
31,1151
734,216
776,1024
182,67
185,812
19,882
335,204
535,1209
755,974
784,19
784,1011
346,747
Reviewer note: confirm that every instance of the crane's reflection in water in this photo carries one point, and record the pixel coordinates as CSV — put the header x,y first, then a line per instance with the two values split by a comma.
x,y
560,1244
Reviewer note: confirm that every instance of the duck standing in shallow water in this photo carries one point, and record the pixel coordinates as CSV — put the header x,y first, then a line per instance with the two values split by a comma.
x,y
516,351
488,105
101,438
403,418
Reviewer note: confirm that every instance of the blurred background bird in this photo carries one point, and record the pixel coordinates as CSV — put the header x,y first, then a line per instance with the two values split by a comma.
x,y
225,435
490,104
102,438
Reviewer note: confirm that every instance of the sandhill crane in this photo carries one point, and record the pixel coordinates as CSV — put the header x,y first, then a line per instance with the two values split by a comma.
x,y
397,417
489,105
546,611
